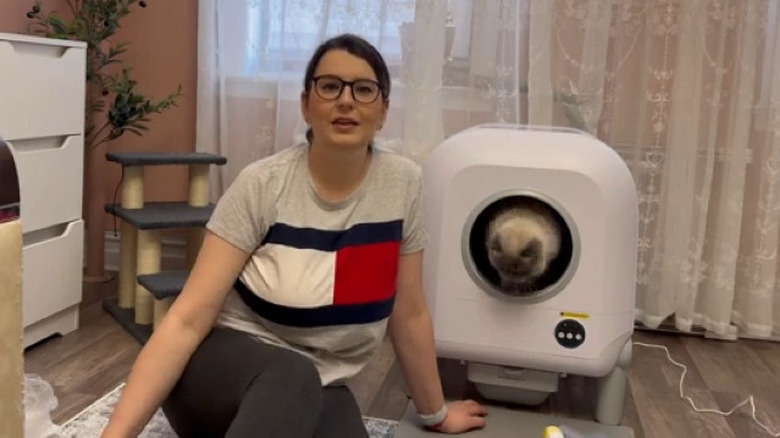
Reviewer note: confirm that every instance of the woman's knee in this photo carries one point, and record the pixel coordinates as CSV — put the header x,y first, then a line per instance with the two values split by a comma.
x,y
284,400
296,372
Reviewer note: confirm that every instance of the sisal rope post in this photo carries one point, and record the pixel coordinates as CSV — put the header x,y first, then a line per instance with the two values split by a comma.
x,y
11,332
148,262
133,187
132,197
128,247
160,309
198,197
194,241
199,185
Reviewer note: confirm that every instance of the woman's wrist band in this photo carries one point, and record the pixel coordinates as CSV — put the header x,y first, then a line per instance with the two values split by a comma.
x,y
431,420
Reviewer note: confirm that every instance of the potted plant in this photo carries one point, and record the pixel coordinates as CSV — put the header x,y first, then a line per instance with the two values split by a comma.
x,y
113,105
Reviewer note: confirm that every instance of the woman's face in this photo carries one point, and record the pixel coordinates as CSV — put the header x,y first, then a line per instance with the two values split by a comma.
x,y
343,121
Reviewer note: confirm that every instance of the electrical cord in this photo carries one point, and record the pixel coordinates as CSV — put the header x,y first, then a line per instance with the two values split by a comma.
x,y
713,411
116,192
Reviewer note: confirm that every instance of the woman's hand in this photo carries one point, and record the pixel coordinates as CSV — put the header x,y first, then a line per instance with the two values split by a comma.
x,y
462,416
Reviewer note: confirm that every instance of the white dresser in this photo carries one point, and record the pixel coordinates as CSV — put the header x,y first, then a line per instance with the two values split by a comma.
x,y
42,90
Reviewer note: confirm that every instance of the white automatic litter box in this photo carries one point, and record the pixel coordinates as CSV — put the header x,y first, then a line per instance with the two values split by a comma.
x,y
580,321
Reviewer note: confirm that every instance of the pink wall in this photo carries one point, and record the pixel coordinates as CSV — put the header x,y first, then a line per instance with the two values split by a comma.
x,y
12,13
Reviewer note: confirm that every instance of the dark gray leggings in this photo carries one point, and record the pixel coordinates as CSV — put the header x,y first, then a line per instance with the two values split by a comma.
x,y
235,386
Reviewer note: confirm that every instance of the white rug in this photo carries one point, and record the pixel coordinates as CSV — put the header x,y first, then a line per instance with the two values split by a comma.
x,y
90,422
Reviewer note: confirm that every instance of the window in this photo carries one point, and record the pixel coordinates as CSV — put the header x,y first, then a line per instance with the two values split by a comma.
x,y
263,45
277,37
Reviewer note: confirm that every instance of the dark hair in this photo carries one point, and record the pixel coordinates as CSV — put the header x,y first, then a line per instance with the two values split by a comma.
x,y
356,46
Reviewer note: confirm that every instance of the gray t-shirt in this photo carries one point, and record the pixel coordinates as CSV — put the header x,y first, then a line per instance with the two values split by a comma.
x,y
321,278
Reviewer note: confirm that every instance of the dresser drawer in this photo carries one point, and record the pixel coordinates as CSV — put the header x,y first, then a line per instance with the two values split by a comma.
x,y
42,87
50,179
52,279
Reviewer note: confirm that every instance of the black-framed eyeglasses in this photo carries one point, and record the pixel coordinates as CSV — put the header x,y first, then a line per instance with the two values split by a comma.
x,y
330,88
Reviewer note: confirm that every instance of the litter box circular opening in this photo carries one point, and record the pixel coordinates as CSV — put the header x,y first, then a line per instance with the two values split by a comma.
x,y
476,246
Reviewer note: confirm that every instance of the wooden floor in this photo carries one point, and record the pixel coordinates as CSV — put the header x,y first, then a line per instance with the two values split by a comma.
x,y
84,365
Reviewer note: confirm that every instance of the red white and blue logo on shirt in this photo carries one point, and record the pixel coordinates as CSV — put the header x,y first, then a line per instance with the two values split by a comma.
x,y
308,277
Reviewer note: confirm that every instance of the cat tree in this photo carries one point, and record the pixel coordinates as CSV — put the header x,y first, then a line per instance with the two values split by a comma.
x,y
145,291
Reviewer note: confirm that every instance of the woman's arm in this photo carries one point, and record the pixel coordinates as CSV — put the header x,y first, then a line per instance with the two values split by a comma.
x,y
162,360
411,331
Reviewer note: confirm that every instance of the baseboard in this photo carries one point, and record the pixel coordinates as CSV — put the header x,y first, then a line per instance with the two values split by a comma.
x,y
696,331
173,252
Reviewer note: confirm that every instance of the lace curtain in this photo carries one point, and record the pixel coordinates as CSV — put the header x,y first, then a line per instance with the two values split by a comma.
x,y
687,91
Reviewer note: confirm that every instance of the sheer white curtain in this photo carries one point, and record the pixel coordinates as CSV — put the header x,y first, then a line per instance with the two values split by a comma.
x,y
687,91
252,54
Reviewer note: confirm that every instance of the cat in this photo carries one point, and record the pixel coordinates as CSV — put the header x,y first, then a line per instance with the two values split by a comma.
x,y
522,240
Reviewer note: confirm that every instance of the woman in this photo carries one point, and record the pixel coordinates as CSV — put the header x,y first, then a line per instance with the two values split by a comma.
x,y
310,256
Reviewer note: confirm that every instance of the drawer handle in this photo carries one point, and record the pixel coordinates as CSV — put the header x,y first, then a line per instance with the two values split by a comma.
x,y
40,143
33,49
49,233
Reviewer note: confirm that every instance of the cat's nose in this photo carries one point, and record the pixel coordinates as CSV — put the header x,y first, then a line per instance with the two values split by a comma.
x,y
528,259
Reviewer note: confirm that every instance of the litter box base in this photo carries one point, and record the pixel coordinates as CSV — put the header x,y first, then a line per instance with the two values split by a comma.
x,y
504,422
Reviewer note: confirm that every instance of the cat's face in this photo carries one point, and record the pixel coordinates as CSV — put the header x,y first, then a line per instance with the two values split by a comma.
x,y
516,254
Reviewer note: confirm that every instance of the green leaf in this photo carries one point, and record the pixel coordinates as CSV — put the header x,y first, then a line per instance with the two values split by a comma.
x,y
117,50
116,133
57,24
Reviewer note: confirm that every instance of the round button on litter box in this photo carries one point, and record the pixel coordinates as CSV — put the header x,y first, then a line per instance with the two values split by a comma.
x,y
570,333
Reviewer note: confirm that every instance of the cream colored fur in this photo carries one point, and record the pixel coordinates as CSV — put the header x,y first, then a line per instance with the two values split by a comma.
x,y
515,228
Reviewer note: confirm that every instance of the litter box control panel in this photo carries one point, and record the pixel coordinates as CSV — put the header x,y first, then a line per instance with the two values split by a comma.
x,y
570,333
